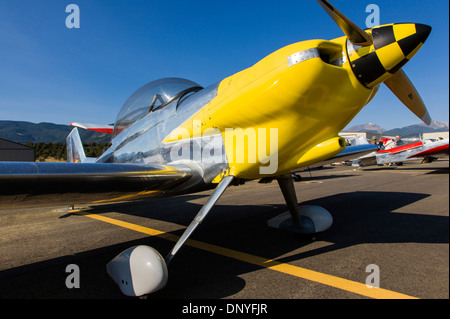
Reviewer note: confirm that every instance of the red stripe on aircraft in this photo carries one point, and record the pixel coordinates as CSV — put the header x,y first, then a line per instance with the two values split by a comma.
x,y
432,151
402,148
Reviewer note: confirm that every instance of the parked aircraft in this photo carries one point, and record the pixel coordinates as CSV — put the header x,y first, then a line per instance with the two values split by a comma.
x,y
173,136
421,150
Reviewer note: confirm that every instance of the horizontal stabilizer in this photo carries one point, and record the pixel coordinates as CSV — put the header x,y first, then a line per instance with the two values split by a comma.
x,y
94,127
30,184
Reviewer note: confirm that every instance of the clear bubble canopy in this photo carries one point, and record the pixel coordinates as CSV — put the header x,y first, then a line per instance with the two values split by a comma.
x,y
152,97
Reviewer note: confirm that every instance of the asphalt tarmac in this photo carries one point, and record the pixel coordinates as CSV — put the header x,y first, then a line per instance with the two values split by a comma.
x,y
390,228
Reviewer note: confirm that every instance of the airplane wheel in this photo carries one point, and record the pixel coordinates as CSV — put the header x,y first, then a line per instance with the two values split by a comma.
x,y
315,220
138,271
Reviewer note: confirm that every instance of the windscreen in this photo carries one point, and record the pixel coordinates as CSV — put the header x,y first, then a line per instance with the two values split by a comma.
x,y
148,98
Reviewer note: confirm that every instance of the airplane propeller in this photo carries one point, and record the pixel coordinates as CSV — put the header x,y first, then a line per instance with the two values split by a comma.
x,y
355,34
378,55
405,91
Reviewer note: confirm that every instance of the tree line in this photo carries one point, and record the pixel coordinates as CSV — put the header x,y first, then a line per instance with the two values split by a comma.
x,y
58,151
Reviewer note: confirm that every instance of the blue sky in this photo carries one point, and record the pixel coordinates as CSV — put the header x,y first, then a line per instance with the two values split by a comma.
x,y
49,73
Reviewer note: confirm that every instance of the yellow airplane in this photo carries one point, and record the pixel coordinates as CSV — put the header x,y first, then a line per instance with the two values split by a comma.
x,y
172,136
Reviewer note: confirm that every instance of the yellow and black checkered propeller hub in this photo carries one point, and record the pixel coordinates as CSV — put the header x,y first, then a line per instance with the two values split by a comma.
x,y
377,56
393,46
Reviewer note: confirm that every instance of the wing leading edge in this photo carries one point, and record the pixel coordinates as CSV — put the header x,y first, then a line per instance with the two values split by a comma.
x,y
24,184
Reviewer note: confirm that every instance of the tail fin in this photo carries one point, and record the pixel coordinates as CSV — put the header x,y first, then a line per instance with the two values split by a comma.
x,y
75,150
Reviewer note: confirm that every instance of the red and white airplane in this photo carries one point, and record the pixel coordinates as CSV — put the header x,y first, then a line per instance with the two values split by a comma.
x,y
425,150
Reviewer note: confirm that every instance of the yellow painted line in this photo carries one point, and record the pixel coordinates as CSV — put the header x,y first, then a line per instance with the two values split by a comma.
x,y
329,280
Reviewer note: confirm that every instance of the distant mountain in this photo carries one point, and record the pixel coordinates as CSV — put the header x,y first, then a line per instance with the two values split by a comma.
x,y
24,132
443,127
417,129
369,127
407,131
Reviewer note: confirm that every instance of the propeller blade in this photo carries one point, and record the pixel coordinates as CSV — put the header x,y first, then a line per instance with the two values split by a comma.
x,y
355,34
402,87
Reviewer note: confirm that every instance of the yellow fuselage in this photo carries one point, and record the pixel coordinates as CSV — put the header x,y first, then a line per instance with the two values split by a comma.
x,y
307,103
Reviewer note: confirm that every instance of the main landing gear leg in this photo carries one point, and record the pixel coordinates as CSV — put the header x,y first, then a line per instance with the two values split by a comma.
x,y
141,270
200,215
307,219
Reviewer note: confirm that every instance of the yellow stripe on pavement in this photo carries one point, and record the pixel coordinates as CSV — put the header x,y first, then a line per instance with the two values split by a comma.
x,y
329,280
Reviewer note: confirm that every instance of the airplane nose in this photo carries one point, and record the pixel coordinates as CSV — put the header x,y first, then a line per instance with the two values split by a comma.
x,y
411,36
393,46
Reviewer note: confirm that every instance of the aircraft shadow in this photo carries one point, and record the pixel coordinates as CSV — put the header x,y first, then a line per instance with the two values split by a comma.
x,y
371,219
196,274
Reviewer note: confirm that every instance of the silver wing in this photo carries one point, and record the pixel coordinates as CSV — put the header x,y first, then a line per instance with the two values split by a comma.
x,y
30,184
